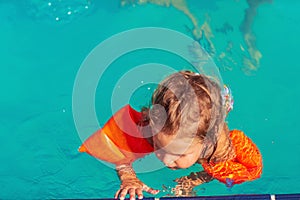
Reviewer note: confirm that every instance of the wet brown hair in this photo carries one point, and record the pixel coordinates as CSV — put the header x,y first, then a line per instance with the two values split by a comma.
x,y
192,105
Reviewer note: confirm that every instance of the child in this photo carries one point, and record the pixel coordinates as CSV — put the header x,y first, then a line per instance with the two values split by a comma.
x,y
184,126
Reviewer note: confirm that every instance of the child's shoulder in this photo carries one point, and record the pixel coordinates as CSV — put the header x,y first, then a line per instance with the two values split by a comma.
x,y
237,134
239,139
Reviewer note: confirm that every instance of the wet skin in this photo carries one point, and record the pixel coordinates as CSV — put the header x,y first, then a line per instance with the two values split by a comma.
x,y
177,152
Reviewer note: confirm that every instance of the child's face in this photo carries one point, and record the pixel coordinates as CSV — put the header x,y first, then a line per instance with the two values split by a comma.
x,y
177,152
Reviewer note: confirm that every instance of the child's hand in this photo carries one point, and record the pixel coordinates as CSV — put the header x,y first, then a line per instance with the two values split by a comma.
x,y
130,184
134,187
186,184
184,187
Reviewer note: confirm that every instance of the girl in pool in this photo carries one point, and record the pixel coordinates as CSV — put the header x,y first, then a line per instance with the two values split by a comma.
x,y
185,125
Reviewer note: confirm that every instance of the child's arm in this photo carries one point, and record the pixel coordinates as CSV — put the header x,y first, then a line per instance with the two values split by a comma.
x,y
120,142
245,167
187,183
130,184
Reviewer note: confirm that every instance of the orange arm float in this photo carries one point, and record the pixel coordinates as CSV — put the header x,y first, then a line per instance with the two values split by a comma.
x,y
246,166
119,141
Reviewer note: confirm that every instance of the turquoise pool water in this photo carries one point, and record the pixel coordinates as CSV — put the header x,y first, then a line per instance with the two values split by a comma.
x,y
43,46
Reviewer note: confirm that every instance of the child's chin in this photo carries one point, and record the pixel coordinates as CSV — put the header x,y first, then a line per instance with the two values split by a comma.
x,y
173,168
184,166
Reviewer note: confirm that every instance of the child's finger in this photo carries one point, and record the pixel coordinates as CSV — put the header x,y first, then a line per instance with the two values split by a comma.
x,y
139,193
117,194
123,194
131,193
176,180
179,179
150,190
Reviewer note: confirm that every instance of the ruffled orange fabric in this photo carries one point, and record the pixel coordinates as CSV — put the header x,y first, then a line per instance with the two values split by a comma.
x,y
246,166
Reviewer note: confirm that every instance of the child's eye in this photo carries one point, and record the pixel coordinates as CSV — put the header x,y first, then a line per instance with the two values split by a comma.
x,y
155,146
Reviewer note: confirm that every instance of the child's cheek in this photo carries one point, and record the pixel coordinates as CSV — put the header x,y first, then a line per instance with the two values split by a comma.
x,y
185,162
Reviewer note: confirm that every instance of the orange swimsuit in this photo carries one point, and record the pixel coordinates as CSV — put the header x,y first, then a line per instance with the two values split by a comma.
x,y
121,142
246,166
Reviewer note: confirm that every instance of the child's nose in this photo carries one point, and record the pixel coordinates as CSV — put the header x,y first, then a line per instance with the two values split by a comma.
x,y
171,164
158,155
169,161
